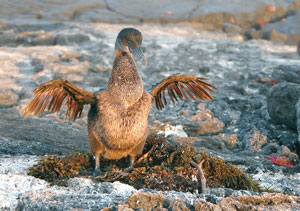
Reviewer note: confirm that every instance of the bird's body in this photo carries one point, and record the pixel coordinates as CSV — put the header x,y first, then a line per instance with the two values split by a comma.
x,y
118,120
118,117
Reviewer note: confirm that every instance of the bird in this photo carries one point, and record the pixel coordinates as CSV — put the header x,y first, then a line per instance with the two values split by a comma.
x,y
118,119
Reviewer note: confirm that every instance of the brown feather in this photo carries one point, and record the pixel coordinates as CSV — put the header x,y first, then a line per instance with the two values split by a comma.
x,y
194,91
164,97
189,93
52,101
177,90
51,95
180,86
47,98
160,100
172,90
182,89
39,105
170,95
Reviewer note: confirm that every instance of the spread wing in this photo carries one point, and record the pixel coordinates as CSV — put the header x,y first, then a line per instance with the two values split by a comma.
x,y
51,95
179,86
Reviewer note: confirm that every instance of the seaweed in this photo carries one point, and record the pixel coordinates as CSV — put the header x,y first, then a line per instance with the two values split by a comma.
x,y
163,166
57,170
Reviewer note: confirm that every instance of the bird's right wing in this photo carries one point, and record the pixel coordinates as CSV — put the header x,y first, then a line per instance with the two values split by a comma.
x,y
51,95
181,85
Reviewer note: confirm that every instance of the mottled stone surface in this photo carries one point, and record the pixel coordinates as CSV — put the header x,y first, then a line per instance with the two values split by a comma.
x,y
278,20
281,103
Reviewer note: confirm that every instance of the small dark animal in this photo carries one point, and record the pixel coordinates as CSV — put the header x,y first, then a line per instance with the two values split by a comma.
x,y
118,117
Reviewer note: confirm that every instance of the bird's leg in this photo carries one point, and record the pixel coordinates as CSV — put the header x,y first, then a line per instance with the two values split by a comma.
x,y
131,161
97,171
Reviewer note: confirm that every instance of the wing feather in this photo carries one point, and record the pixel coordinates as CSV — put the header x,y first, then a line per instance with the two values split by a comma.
x,y
51,95
183,92
182,86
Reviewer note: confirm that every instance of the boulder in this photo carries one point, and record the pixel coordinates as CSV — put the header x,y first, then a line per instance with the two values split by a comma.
x,y
281,103
275,36
231,28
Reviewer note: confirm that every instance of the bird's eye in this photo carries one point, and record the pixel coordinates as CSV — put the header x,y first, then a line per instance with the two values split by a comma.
x,y
129,42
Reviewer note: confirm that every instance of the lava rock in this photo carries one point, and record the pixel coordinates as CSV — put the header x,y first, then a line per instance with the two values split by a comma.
x,y
231,28
287,73
253,140
281,102
207,123
67,39
253,34
275,36
8,98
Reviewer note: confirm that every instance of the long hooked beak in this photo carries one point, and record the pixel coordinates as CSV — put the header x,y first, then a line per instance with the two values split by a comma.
x,y
139,53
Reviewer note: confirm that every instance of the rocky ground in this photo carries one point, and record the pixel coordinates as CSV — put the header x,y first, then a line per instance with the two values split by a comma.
x,y
236,127
276,20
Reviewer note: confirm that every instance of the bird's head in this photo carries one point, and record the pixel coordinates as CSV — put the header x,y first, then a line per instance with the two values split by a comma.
x,y
129,40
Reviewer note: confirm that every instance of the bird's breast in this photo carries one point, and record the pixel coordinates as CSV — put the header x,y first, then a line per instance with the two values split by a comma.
x,y
120,127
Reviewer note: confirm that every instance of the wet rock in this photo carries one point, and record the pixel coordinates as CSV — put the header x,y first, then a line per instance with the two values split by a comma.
x,y
257,141
281,101
8,98
252,140
80,194
201,204
147,201
253,34
275,36
37,64
297,142
207,123
286,152
264,202
207,142
230,140
287,73
12,38
231,28
287,24
69,39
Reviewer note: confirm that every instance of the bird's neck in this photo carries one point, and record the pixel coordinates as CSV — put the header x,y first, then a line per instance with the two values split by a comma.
x,y
125,83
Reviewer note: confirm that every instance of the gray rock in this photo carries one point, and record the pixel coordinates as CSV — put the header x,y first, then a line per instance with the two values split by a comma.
x,y
69,39
80,194
8,98
275,36
287,73
253,34
289,26
231,28
297,144
281,103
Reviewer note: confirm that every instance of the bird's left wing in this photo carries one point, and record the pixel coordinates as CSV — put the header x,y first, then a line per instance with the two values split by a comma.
x,y
51,95
181,86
